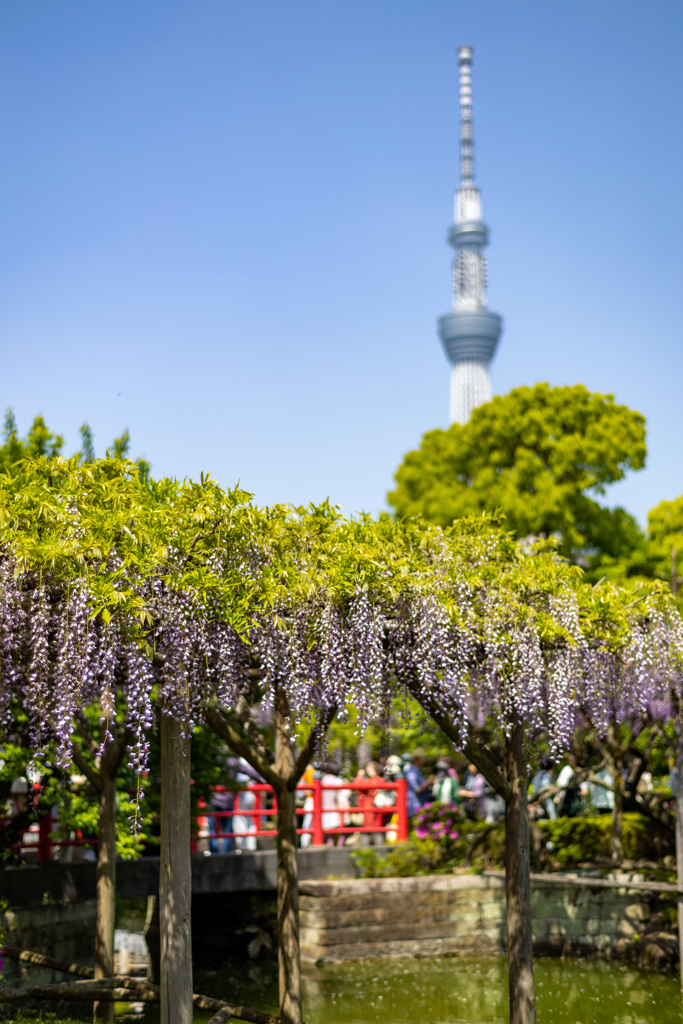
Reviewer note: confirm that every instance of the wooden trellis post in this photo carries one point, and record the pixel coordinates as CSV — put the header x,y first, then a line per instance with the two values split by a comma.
x,y
175,874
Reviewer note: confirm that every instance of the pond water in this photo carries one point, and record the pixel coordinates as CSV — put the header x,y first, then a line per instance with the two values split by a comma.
x,y
452,990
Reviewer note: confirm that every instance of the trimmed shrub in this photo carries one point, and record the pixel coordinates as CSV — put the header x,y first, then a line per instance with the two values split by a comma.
x,y
575,840
414,857
443,842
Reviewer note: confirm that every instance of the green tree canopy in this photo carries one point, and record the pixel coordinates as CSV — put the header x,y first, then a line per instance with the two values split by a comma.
x,y
665,534
541,455
40,441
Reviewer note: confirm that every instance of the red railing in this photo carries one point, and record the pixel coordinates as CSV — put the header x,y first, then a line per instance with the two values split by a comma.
x,y
319,828
44,842
322,812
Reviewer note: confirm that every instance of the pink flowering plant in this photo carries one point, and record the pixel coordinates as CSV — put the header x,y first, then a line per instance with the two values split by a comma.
x,y
439,822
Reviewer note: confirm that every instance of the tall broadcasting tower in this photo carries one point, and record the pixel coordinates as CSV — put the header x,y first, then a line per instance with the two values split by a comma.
x,y
470,333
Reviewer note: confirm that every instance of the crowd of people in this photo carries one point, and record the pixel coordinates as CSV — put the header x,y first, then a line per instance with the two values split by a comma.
x,y
473,796
563,794
368,808
367,814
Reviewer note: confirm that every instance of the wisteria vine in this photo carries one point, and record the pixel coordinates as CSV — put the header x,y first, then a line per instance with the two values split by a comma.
x,y
335,614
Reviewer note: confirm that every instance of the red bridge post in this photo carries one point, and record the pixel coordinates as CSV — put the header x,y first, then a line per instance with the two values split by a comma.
x,y
318,837
44,833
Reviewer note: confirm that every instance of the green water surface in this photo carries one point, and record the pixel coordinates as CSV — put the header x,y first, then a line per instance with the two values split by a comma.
x,y
453,990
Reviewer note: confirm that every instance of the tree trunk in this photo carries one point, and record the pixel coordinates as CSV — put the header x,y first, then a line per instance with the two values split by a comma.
x,y
618,818
175,874
106,886
615,751
678,778
518,882
283,775
289,954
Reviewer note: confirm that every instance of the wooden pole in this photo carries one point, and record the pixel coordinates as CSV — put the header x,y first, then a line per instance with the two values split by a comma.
x,y
106,883
108,986
289,953
518,881
119,990
28,957
152,933
175,874
678,781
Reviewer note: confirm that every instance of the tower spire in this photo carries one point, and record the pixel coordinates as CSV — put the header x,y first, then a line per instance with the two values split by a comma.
x,y
470,332
466,157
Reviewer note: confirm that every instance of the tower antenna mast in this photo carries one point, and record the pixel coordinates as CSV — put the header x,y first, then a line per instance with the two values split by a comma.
x,y
470,332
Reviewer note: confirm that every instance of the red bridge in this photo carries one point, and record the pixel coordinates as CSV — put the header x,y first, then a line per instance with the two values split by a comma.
x,y
318,813
327,813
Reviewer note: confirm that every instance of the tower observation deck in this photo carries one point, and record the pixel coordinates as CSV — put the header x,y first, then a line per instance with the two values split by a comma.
x,y
470,332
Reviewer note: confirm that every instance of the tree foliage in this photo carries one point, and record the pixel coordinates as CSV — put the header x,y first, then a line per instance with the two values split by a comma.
x,y
665,533
118,587
40,441
541,455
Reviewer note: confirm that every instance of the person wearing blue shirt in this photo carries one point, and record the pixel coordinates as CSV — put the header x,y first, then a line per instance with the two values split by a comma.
x,y
418,789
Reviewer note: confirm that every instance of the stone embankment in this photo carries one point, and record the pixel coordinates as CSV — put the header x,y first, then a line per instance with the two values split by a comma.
x,y
354,919
65,931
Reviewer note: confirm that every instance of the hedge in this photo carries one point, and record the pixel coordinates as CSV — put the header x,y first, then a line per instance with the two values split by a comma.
x,y
574,840
569,841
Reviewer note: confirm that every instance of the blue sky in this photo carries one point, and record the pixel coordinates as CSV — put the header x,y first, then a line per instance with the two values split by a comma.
x,y
222,224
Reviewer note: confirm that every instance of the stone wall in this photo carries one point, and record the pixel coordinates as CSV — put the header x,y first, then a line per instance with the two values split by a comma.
x,y
62,930
225,872
377,917
581,919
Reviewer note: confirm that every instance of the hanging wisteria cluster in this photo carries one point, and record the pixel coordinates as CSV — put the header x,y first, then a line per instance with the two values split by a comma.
x,y
57,659
548,655
643,677
332,613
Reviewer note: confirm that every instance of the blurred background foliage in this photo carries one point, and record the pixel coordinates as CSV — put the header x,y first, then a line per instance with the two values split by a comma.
x,y
543,458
